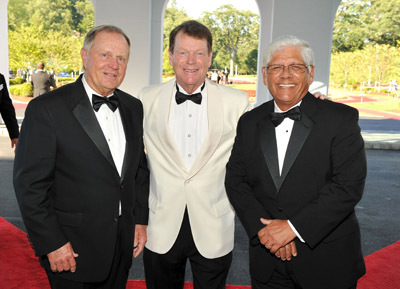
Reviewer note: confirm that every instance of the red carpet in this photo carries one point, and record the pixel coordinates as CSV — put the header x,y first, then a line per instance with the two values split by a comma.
x,y
19,268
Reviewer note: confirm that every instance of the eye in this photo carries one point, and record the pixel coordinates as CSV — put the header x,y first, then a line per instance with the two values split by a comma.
x,y
104,55
121,58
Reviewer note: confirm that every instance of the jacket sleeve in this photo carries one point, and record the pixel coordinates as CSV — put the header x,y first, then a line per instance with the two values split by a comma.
x,y
239,190
339,196
34,169
7,111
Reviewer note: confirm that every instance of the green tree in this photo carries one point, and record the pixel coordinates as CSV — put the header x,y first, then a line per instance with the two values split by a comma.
x,y
173,17
49,31
360,22
231,29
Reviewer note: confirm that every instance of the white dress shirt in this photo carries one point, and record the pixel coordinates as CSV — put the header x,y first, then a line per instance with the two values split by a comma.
x,y
188,124
283,133
113,130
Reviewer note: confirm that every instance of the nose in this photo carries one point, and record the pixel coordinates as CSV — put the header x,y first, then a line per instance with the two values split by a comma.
x,y
286,72
191,58
114,63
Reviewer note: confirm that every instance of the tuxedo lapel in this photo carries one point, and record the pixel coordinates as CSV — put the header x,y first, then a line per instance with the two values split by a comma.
x,y
300,132
84,113
165,136
268,145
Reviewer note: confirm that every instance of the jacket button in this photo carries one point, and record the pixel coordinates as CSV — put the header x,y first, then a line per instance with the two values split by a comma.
x,y
280,209
116,219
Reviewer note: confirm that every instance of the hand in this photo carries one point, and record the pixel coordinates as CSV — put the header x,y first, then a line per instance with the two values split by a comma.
x,y
276,234
140,240
63,259
14,143
321,96
286,253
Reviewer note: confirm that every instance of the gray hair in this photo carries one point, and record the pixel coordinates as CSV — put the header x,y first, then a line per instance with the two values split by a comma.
x,y
287,41
90,36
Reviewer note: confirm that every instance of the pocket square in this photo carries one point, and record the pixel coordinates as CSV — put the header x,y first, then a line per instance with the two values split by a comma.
x,y
1,86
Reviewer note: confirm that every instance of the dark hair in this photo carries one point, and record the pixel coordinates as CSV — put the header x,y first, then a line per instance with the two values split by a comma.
x,y
89,38
193,29
40,65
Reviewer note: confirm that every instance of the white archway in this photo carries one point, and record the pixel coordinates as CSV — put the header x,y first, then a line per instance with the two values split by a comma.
x,y
143,21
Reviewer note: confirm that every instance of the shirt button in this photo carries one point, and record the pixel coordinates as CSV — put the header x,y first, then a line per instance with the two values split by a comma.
x,y
189,135
190,115
189,155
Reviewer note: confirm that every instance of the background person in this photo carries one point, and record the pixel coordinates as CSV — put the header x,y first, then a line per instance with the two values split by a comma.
x,y
298,176
80,172
41,81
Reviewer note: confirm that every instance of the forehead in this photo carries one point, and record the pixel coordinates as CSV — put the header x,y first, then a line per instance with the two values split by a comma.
x,y
105,39
183,40
292,53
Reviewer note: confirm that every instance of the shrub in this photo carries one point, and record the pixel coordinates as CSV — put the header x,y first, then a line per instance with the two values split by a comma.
x,y
17,80
26,89
15,90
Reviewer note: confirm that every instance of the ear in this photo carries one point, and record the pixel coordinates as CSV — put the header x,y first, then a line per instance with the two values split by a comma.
x,y
171,57
311,76
210,59
264,73
84,56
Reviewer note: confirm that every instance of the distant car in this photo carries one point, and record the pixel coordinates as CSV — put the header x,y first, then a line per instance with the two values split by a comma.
x,y
63,74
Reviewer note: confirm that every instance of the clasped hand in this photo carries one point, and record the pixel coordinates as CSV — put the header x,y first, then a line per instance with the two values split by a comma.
x,y
277,237
63,259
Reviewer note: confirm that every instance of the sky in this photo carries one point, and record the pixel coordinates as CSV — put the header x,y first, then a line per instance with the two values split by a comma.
x,y
194,8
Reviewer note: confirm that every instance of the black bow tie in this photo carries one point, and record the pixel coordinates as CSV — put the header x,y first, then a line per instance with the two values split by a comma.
x,y
278,117
98,101
181,97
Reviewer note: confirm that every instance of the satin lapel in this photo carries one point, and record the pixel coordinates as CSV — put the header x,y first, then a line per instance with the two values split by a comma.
x,y
168,142
84,113
300,132
215,114
268,145
130,131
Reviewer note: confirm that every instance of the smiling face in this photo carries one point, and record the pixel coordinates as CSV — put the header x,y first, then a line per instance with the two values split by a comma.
x,y
190,60
106,62
287,88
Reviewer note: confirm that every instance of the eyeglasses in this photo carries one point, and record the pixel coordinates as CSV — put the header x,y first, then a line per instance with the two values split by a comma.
x,y
292,68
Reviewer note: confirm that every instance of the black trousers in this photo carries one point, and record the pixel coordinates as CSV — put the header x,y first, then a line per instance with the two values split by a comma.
x,y
167,271
283,277
116,279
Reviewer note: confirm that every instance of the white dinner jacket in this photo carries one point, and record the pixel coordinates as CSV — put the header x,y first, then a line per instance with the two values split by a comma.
x,y
201,189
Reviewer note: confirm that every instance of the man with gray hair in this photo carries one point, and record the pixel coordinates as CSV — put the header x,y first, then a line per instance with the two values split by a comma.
x,y
80,172
296,172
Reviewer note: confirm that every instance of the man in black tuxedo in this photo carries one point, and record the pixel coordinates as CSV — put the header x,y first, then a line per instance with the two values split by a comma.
x,y
80,172
8,112
41,81
294,179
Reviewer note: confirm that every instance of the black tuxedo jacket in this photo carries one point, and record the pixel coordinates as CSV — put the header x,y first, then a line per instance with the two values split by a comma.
x,y
67,185
7,110
322,180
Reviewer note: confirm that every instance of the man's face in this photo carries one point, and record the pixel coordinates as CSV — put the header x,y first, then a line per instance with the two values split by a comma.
x,y
287,88
105,64
190,60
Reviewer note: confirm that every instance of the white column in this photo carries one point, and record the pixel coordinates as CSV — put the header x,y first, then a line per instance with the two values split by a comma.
x,y
4,39
311,20
134,18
